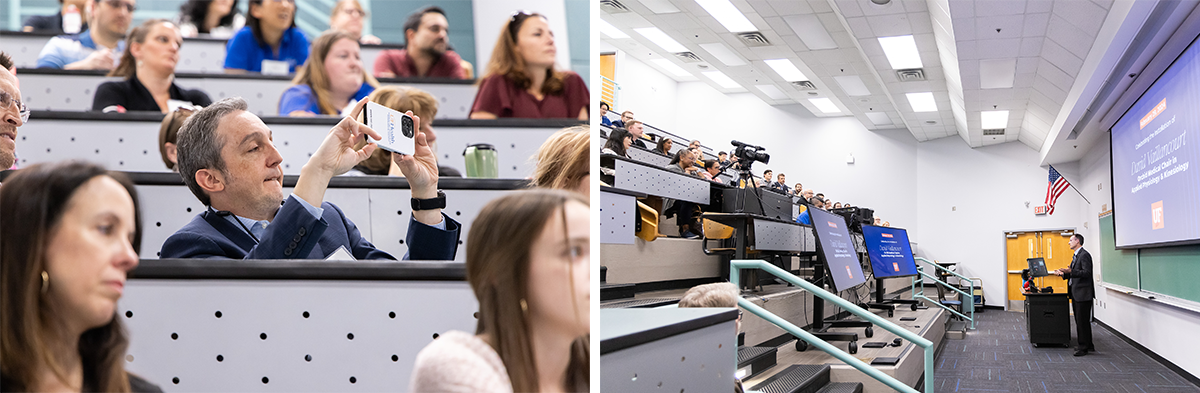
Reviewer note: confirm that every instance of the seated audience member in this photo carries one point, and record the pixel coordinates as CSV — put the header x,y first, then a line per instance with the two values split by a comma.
x,y
56,24
694,145
637,130
663,147
837,205
348,16
148,66
846,206
722,158
521,80
798,190
618,143
426,50
887,224
781,184
228,161
97,47
878,221
331,81
766,181
563,161
168,133
71,233
689,226
711,170
270,43
625,117
684,163
212,18
604,108
527,262
804,217
719,294
403,99
821,195
13,113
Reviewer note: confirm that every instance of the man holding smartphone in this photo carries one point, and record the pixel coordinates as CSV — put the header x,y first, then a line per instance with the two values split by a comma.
x,y
227,159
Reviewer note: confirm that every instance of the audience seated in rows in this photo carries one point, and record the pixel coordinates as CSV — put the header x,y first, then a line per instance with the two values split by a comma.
x,y
780,184
96,48
711,170
348,16
637,130
521,79
689,213
619,140
210,18
227,159
604,108
663,146
625,117
13,113
527,262
684,163
426,50
563,161
148,66
331,81
798,190
168,135
57,23
270,43
71,232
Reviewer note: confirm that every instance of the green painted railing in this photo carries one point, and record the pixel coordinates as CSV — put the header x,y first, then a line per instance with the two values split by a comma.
x,y
735,275
919,291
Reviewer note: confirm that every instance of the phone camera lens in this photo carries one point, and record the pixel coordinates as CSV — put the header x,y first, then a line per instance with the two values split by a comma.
x,y
407,127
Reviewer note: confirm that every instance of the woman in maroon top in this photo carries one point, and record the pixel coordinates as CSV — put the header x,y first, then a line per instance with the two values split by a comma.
x,y
521,80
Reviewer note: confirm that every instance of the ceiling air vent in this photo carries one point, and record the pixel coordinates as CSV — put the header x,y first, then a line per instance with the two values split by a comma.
x,y
911,74
993,131
804,85
613,6
754,38
688,57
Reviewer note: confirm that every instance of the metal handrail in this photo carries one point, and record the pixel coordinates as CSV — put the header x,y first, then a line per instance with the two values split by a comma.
x,y
921,294
934,264
735,275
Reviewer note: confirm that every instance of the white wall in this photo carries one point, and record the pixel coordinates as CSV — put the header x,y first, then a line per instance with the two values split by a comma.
x,y
646,92
491,15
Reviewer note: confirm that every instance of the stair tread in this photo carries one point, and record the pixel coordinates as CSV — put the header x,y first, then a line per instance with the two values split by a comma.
x,y
606,286
842,387
640,302
796,378
746,354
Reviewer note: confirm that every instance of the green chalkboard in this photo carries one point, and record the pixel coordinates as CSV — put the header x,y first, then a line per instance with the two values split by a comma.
x,y
1116,266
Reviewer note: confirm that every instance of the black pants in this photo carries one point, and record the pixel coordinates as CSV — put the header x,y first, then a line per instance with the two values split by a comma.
x,y
1083,324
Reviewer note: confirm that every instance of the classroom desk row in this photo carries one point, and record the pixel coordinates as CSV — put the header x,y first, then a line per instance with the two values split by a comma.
x,y
129,141
199,55
67,90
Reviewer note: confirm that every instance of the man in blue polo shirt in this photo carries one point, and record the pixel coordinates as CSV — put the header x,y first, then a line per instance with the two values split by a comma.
x,y
97,48
270,43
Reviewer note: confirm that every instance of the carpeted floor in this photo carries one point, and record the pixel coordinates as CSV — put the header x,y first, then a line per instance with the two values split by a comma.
x,y
997,357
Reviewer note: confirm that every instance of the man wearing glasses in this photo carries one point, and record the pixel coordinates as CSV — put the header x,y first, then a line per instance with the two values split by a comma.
x,y
13,113
96,48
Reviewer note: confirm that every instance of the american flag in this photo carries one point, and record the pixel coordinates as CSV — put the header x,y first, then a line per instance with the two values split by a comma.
x,y
1056,186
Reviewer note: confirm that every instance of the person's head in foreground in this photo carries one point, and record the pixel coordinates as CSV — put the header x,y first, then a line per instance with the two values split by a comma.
x,y
563,161
718,294
71,232
13,114
527,262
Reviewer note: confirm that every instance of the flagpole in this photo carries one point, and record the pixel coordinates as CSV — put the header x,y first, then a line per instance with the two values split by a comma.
x,y
1069,183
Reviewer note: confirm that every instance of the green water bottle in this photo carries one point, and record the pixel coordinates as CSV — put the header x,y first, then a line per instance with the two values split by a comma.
x,y
481,161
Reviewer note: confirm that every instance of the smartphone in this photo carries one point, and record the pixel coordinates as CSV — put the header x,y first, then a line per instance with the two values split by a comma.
x,y
396,128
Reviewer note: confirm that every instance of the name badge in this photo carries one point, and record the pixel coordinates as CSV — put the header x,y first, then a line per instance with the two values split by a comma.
x,y
341,254
275,67
174,105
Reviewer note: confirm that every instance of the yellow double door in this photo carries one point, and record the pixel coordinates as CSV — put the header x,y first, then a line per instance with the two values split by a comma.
x,y
1049,245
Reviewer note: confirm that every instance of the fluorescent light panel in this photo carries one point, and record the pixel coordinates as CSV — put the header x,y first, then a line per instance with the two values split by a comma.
x,y
772,91
922,102
825,105
671,67
611,31
787,70
994,119
724,54
728,15
721,79
661,39
879,118
810,30
901,51
660,6
852,85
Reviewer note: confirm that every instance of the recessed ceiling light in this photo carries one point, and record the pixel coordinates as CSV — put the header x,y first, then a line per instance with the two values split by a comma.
x,y
901,51
671,67
825,105
993,120
660,6
611,31
810,30
852,85
721,79
787,70
724,54
772,91
661,39
879,118
922,102
728,15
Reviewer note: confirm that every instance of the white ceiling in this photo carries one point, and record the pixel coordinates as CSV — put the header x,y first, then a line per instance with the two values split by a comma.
x,y
1039,47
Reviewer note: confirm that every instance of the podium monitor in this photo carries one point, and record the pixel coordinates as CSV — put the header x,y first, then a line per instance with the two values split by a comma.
x,y
1037,267
890,252
835,244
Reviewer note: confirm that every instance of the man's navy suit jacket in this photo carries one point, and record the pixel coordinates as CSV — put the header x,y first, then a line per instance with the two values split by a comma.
x,y
296,234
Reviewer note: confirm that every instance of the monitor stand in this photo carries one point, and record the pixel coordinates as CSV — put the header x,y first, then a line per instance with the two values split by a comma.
x,y
820,325
890,304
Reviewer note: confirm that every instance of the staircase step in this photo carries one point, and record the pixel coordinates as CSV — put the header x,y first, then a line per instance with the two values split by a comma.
x,y
956,330
757,359
617,291
842,387
797,378
649,302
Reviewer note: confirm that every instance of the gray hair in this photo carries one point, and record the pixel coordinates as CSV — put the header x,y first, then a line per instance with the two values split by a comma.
x,y
720,294
198,145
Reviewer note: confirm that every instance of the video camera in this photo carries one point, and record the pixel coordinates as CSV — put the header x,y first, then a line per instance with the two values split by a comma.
x,y
747,154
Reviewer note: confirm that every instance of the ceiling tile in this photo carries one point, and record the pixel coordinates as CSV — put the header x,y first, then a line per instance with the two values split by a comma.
x,y
920,23
1084,14
1023,80
820,6
997,73
915,6
889,25
961,9
810,31
1035,24
1060,57
1069,36
831,22
860,27
895,7
849,8
999,7
1105,4
1057,77
1030,47
1050,90
964,29
1010,26
791,7
996,49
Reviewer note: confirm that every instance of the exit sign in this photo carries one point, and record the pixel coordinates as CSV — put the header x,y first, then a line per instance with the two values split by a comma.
x,y
1040,210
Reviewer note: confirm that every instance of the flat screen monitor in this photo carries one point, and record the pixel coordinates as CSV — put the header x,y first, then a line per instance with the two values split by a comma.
x,y
834,242
891,254
1037,267
1156,195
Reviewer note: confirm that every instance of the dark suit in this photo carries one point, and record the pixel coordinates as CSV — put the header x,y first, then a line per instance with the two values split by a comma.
x,y
296,234
1082,290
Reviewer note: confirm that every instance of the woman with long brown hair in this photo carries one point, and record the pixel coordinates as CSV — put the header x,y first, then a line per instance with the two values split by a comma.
x,y
71,232
148,66
521,80
331,80
527,261
563,161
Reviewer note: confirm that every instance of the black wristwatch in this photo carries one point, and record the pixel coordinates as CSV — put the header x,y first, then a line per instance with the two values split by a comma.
x,y
438,202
